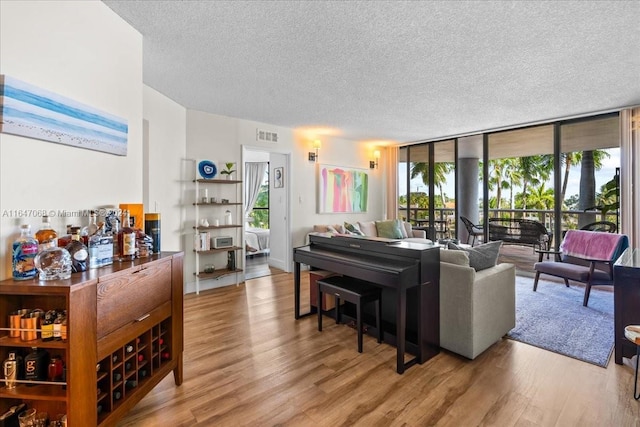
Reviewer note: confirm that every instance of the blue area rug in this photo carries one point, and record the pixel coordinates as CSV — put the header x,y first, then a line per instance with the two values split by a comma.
x,y
554,318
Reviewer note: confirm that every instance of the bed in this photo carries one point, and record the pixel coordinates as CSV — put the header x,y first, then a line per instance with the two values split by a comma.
x,y
256,240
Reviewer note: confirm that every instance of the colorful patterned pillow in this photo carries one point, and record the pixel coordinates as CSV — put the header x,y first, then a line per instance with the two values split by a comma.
x,y
353,229
389,229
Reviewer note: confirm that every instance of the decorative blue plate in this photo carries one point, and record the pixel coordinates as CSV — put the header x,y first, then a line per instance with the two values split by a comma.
x,y
207,169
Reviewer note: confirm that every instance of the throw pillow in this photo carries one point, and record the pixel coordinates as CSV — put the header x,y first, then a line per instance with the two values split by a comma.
x,y
368,228
353,229
482,256
455,257
403,229
389,229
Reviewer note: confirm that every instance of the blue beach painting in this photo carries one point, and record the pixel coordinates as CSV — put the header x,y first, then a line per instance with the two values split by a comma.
x,y
29,111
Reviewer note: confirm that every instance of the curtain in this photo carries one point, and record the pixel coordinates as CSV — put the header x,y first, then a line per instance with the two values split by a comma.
x,y
253,177
629,175
391,174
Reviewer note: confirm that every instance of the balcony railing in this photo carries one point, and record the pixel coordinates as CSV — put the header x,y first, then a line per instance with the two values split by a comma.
x,y
570,218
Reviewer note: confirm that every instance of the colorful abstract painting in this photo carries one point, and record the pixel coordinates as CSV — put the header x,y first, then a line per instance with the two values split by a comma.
x,y
27,110
342,189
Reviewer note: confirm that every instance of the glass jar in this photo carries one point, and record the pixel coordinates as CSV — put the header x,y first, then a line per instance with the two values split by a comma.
x,y
54,263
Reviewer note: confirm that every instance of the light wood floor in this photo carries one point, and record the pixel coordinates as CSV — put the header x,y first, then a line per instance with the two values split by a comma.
x,y
249,363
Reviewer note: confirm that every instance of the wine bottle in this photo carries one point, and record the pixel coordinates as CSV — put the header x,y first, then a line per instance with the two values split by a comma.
x,y
117,395
131,384
129,348
117,376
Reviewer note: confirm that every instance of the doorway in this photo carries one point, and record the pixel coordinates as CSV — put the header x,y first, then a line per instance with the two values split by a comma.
x,y
267,211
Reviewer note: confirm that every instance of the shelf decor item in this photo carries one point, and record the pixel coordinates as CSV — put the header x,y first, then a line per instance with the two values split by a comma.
x,y
228,170
207,169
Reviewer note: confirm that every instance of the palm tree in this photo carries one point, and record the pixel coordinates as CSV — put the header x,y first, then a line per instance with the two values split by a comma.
x,y
498,178
591,161
440,171
534,169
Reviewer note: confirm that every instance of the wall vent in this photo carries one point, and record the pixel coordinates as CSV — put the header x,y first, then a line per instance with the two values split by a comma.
x,y
266,136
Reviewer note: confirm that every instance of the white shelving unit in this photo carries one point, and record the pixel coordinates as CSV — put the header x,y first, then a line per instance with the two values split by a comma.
x,y
220,189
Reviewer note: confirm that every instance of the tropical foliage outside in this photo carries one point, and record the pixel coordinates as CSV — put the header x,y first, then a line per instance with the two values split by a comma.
x,y
526,184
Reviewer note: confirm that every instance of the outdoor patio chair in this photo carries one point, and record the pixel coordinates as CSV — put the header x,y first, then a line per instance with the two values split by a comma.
x,y
604,226
472,229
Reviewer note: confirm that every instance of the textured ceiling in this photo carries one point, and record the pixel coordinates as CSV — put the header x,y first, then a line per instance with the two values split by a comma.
x,y
390,70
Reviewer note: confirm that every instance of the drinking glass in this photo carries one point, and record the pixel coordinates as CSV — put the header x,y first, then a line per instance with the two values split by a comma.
x,y
27,418
41,419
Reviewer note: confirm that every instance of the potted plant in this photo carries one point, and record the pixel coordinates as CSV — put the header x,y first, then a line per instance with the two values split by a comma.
x,y
228,169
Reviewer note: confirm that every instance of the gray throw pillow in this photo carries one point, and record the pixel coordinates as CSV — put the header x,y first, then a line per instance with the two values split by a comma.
x,y
483,256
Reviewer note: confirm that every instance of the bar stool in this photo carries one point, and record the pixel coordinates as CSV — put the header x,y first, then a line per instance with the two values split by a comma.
x,y
632,333
356,292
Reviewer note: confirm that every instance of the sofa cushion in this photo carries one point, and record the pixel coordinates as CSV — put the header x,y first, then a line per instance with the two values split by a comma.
x,y
353,229
403,230
336,228
368,228
389,229
455,257
482,256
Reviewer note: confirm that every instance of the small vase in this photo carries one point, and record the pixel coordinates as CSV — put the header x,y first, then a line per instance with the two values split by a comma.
x,y
229,177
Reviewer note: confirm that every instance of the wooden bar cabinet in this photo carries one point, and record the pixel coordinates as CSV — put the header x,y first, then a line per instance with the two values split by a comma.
x,y
124,335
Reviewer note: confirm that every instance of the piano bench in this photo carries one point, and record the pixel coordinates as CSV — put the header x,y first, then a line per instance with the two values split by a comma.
x,y
356,292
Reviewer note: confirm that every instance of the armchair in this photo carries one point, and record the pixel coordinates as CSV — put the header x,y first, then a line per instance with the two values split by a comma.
x,y
584,256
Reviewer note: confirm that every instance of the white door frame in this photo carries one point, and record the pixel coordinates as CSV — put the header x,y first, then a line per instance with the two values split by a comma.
x,y
288,267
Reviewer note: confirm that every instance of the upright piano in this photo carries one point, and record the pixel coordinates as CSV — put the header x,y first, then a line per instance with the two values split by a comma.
x,y
409,274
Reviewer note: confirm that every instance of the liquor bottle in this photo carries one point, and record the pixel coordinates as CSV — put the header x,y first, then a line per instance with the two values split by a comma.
x,y
57,326
126,239
10,370
63,326
78,251
152,229
115,234
47,325
100,249
66,239
25,249
35,365
46,235
90,229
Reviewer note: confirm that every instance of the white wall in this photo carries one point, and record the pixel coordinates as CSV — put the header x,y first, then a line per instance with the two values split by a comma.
x,y
83,51
221,138
165,147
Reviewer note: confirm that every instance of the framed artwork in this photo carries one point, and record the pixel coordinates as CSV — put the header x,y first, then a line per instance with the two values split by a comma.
x,y
342,189
278,177
27,110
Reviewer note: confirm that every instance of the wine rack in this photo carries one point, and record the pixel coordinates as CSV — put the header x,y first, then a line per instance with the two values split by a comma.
x,y
115,354
122,372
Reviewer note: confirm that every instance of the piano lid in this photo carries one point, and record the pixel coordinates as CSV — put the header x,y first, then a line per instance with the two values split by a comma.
x,y
375,244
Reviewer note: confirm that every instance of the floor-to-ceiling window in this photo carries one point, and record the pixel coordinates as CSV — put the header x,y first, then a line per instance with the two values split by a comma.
x,y
590,162
562,174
